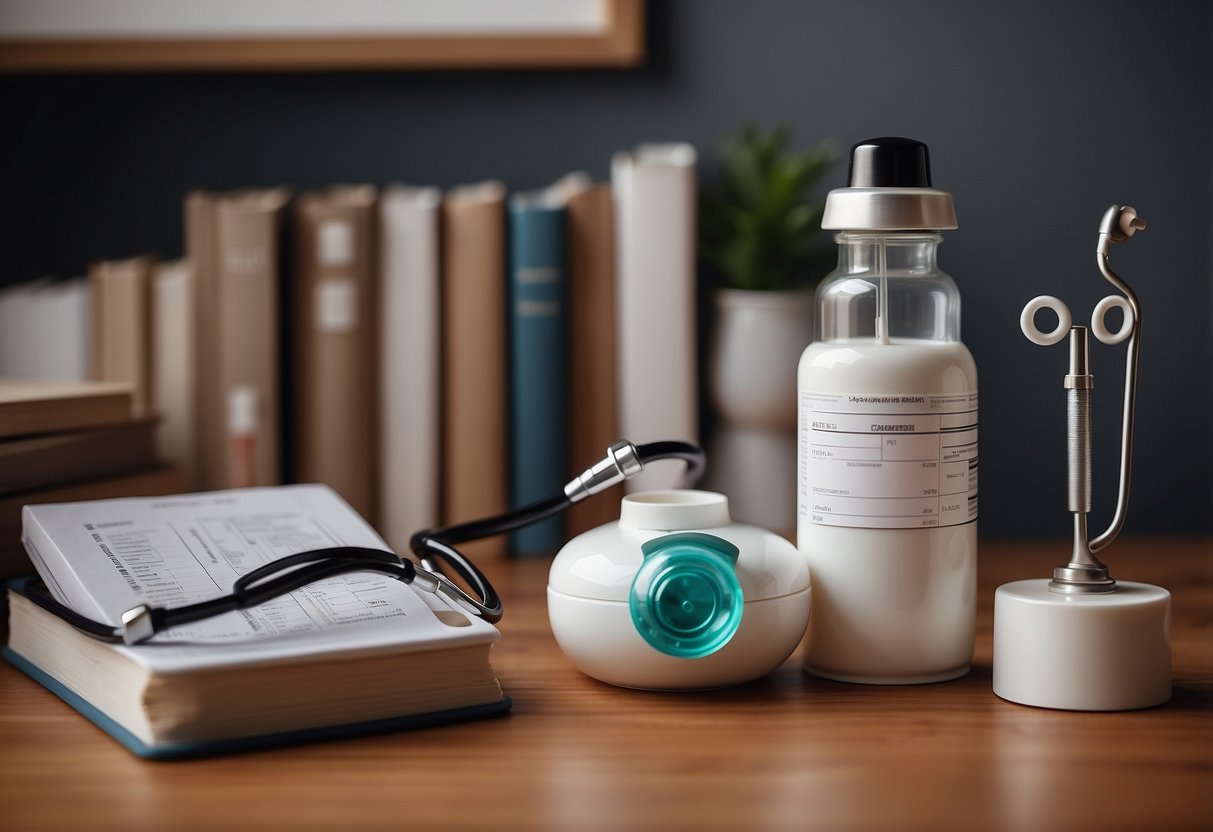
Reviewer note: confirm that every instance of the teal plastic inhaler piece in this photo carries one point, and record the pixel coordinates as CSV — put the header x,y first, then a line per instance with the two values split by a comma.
x,y
686,600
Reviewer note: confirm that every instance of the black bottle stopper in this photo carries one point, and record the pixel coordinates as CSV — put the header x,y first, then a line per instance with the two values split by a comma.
x,y
890,162
889,189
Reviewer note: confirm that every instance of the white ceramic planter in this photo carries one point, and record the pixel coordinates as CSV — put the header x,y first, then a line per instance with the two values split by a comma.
x,y
755,346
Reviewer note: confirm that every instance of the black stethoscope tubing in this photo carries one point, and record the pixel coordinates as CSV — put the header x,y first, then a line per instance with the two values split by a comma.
x,y
434,549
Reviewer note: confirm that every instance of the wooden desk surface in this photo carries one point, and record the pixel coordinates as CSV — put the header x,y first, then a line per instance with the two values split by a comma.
x,y
790,751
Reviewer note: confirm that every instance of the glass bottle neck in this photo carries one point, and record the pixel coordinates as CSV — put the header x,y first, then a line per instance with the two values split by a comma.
x,y
890,253
888,288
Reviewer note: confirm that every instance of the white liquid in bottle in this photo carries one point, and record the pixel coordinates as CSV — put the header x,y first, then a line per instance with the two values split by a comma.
x,y
890,605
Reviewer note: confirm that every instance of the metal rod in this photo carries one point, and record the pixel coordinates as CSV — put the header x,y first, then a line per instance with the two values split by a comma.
x,y
1130,398
1083,573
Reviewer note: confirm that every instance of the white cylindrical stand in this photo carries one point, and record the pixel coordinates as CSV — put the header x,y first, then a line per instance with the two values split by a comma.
x,y
1096,652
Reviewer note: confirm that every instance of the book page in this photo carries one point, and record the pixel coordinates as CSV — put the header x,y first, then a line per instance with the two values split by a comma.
x,y
107,556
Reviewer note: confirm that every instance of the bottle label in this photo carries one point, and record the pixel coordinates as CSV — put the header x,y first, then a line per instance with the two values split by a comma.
x,y
888,461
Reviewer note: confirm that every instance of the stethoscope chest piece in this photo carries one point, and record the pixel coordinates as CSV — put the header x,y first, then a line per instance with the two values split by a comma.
x,y
1083,641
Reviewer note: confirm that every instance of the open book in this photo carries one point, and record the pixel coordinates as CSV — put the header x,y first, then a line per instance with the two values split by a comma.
x,y
352,654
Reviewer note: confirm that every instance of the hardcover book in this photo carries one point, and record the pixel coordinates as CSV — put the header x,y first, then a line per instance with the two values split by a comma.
x,y
655,209
344,656
410,362
474,481
538,360
35,406
51,459
593,386
233,242
174,399
335,360
122,325
45,329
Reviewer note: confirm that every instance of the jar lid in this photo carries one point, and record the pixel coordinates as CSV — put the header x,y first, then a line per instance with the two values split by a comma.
x,y
602,563
889,189
674,510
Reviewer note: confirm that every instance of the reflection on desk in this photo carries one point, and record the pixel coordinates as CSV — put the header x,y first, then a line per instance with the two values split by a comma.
x,y
789,751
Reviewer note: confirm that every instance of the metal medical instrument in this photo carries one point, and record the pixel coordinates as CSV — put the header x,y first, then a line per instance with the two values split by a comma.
x,y
1082,641
1084,573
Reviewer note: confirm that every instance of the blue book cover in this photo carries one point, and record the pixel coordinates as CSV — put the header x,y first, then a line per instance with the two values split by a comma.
x,y
538,363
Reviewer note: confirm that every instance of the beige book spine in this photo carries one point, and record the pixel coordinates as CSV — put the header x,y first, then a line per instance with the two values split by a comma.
x,y
122,325
173,365
335,353
246,362
593,396
474,345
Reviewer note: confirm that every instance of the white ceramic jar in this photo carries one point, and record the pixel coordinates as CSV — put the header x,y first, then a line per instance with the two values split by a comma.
x,y
591,586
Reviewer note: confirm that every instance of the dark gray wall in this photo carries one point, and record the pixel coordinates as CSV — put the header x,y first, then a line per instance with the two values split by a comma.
x,y
1039,115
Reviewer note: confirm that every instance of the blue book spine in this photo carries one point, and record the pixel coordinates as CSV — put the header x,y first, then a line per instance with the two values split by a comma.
x,y
538,400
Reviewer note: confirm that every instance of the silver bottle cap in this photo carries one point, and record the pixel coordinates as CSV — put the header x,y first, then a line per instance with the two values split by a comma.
x,y
889,189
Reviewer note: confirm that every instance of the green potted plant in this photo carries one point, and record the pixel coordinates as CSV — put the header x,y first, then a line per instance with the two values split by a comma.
x,y
760,232
761,227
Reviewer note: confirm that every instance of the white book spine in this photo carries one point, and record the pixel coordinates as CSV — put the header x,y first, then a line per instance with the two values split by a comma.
x,y
66,330
657,356
17,332
173,368
409,362
44,330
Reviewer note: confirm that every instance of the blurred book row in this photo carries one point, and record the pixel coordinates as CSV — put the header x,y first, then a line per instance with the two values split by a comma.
x,y
434,357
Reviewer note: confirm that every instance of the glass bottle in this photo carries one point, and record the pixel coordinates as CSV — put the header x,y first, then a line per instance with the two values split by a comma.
x,y
887,436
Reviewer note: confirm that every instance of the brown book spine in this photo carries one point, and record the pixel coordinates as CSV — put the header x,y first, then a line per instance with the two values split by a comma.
x,y
232,242
210,461
53,459
247,233
593,397
122,325
335,352
39,406
474,361
152,482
